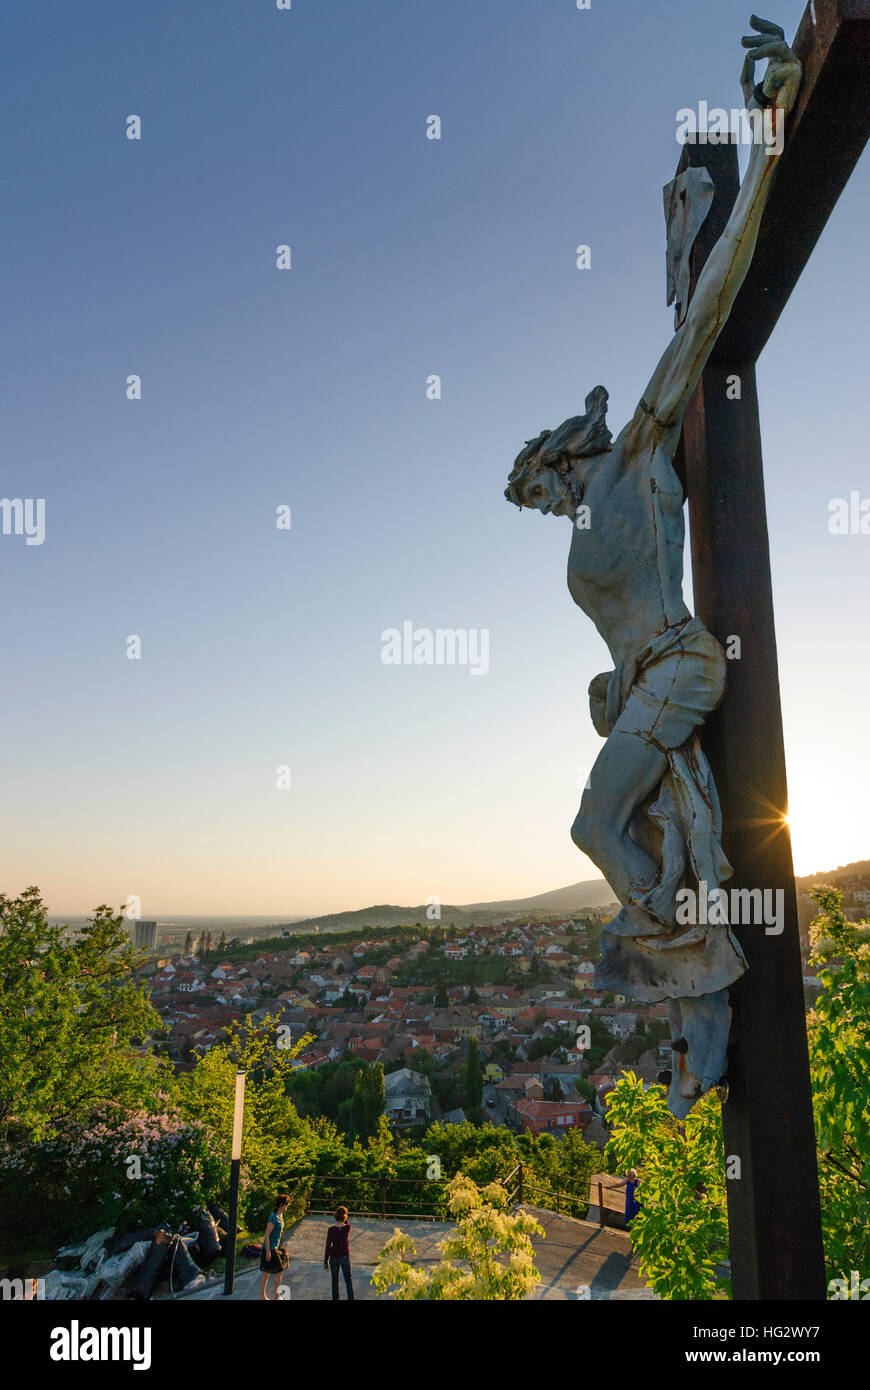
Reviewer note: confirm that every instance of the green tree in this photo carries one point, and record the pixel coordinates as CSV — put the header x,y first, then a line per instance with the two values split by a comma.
x,y
304,1087
680,1234
359,1106
839,1039
485,1153
425,1063
71,1013
559,1168
493,1249
377,1099
441,1000
271,1118
336,1084
367,1106
345,1115
472,1076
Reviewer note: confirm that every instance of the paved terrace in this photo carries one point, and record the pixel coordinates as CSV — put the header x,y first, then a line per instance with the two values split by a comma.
x,y
572,1254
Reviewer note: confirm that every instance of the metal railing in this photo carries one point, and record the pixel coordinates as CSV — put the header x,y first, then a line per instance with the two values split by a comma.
x,y
517,1194
424,1199
420,1199
562,1203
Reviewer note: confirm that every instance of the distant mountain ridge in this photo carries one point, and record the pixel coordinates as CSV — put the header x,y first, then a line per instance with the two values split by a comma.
x,y
573,900
589,893
577,896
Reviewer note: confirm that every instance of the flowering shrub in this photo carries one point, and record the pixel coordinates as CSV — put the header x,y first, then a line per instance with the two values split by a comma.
x,y
488,1256
86,1179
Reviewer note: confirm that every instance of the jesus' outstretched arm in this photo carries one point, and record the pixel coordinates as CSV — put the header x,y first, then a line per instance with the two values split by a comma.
x,y
661,409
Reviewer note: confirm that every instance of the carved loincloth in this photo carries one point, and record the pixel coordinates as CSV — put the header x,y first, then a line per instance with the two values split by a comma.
x,y
664,694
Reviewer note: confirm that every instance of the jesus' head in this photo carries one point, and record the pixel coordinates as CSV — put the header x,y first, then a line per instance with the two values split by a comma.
x,y
544,476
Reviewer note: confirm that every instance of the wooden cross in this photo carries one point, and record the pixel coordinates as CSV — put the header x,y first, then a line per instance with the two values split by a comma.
x,y
773,1206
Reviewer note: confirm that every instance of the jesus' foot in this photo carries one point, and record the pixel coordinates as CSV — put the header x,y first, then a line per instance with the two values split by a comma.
x,y
700,1030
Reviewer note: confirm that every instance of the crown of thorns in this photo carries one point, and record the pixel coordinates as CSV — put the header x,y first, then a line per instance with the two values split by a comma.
x,y
580,437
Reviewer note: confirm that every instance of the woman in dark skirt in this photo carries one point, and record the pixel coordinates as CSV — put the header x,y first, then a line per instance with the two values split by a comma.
x,y
271,1264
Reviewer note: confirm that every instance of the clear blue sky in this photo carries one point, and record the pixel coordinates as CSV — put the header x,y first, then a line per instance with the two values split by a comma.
x,y
307,388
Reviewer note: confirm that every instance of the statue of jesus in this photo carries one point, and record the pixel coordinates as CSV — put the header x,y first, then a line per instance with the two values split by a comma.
x,y
649,818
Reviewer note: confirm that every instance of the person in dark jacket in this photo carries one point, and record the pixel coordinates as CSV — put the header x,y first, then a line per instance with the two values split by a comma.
x,y
271,1263
337,1254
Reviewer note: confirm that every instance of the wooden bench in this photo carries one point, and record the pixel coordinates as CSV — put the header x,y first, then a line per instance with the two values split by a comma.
x,y
607,1193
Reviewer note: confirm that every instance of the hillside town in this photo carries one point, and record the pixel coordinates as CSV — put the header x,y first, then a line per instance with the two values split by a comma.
x,y
516,997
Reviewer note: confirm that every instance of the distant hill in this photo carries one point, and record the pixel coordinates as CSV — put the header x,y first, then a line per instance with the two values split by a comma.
x,y
592,893
860,868
384,915
573,900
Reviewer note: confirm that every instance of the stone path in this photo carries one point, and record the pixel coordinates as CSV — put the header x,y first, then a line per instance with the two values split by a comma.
x,y
577,1259
579,1255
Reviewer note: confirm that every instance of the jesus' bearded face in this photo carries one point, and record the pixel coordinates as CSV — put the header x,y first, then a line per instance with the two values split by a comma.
x,y
548,473
544,488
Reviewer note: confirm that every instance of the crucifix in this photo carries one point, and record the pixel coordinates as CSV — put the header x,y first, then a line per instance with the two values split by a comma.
x,y
668,819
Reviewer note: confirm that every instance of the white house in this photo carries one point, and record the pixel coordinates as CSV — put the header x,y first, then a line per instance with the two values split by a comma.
x,y
408,1097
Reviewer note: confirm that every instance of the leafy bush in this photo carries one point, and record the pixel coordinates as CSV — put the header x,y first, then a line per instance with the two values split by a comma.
x,y
78,1183
839,1038
489,1256
71,1015
681,1232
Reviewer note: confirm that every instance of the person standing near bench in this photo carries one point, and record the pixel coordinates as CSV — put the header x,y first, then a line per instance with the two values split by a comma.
x,y
632,1205
337,1254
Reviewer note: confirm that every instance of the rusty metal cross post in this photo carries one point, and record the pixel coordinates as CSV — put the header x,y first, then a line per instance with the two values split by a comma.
x,y
773,1205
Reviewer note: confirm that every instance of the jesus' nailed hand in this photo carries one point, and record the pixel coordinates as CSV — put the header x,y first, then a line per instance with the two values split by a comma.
x,y
783,77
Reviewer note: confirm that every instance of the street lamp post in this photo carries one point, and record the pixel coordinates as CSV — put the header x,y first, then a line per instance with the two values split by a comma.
x,y
235,1172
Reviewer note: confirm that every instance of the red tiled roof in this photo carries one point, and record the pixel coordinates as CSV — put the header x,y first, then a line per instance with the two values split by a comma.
x,y
544,1109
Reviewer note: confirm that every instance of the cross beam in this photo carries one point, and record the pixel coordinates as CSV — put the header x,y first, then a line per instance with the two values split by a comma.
x,y
773,1206
825,135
